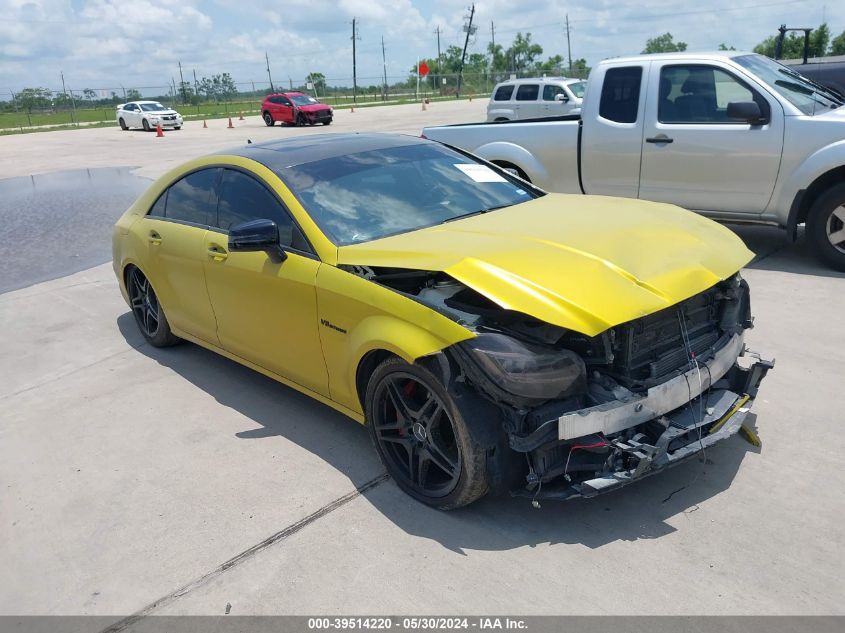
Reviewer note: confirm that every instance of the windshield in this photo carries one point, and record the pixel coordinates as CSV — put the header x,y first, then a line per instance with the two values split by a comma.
x,y
578,89
803,93
364,196
152,107
303,100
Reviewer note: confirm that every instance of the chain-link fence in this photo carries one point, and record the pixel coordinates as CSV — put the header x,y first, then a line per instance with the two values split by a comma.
x,y
30,108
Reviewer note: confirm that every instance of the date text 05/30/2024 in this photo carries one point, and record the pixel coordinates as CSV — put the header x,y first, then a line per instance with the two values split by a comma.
x,y
430,623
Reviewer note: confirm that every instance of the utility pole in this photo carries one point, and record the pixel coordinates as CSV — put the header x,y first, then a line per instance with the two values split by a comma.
x,y
469,31
384,65
354,65
438,78
196,90
568,48
181,82
267,59
72,102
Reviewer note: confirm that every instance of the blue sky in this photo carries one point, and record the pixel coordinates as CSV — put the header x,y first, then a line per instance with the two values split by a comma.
x,y
104,44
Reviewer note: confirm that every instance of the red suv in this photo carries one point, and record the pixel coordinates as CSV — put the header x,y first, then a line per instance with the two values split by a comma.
x,y
295,108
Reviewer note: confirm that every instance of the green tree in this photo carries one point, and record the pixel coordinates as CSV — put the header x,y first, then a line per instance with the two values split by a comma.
x,y
522,54
498,58
32,98
319,81
89,94
580,68
132,95
725,47
664,44
793,44
837,45
551,65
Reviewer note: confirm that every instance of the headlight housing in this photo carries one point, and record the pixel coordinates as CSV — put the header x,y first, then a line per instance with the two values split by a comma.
x,y
525,370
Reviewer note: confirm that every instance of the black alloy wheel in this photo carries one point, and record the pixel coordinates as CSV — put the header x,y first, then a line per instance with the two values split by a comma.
x,y
300,120
268,119
416,435
422,438
147,310
123,125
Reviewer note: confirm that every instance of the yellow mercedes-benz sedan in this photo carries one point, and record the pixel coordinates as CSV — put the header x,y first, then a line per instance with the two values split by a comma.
x,y
493,337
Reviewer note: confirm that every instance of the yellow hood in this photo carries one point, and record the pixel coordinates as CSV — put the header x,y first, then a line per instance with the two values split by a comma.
x,y
585,263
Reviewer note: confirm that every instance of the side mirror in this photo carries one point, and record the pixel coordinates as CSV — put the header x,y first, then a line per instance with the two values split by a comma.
x,y
257,235
562,98
748,111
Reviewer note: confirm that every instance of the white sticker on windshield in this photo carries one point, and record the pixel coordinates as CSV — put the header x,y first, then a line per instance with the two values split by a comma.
x,y
480,173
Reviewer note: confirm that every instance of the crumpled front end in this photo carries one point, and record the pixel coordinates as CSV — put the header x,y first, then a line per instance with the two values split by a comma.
x,y
592,414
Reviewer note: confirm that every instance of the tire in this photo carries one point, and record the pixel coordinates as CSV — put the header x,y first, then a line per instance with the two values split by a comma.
x,y
146,125
516,171
429,450
123,125
148,313
826,227
268,119
328,122
300,120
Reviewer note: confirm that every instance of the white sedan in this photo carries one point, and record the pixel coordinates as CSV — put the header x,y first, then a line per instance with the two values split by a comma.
x,y
147,114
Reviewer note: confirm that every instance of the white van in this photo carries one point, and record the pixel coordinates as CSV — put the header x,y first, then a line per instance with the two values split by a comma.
x,y
535,98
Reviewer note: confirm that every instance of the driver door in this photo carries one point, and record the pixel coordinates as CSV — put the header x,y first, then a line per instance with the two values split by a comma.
x,y
266,312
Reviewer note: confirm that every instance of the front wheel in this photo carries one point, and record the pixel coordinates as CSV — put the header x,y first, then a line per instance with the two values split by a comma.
x,y
826,227
149,315
146,125
300,120
422,438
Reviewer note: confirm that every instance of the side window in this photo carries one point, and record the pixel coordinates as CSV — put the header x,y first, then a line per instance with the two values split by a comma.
x,y
243,198
700,94
158,208
527,92
503,93
551,91
620,94
191,199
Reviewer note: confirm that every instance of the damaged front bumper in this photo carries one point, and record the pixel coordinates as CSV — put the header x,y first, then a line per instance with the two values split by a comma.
x,y
643,434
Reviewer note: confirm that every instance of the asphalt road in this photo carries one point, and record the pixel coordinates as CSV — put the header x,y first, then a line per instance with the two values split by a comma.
x,y
150,482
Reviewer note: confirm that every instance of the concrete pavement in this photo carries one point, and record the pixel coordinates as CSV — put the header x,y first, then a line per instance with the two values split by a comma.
x,y
128,473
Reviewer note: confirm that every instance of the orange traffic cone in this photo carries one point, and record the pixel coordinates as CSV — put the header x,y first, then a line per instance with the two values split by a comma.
x,y
241,118
204,124
230,123
159,131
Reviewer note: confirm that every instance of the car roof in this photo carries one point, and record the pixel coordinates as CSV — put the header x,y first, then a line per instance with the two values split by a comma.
x,y
287,93
686,55
564,80
281,154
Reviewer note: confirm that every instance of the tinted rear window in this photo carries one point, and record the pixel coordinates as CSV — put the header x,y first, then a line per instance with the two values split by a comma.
x,y
503,93
189,200
620,94
527,92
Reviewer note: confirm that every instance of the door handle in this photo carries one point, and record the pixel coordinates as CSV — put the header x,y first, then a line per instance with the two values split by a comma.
x,y
217,253
660,138
155,238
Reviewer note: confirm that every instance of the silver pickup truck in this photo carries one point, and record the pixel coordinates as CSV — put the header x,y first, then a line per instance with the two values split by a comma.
x,y
734,136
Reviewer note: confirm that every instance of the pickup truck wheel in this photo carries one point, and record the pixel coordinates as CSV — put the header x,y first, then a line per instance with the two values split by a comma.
x,y
512,169
424,442
826,227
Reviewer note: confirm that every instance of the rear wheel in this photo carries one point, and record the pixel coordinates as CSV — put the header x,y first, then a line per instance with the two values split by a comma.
x,y
149,315
123,125
327,122
826,227
268,119
146,125
422,438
